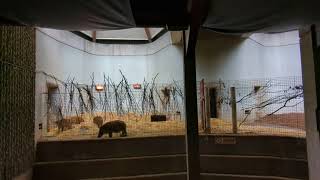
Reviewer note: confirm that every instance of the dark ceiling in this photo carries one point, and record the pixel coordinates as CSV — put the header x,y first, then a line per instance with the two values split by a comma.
x,y
228,16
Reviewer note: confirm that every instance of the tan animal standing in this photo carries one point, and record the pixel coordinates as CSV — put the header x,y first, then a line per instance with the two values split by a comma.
x,y
76,120
67,123
64,124
98,120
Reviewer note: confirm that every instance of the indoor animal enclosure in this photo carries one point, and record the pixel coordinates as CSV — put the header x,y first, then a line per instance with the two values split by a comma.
x,y
263,107
148,109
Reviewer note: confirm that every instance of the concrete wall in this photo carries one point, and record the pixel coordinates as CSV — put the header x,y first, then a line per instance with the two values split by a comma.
x,y
168,62
259,56
64,55
56,59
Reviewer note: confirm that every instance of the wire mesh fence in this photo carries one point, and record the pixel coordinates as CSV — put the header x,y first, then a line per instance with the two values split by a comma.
x,y
17,64
264,107
272,106
78,111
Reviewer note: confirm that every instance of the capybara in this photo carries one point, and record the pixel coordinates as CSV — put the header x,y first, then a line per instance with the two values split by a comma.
x,y
98,120
113,127
64,124
77,120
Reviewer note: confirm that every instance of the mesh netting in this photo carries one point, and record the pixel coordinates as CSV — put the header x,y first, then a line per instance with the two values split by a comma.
x,y
135,107
17,65
271,106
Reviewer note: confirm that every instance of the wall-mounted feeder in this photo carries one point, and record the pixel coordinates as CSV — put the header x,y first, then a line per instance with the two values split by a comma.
x,y
247,112
136,86
157,118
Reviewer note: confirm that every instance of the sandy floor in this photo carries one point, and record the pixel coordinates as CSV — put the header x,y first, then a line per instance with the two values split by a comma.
x,y
136,127
143,127
293,120
222,127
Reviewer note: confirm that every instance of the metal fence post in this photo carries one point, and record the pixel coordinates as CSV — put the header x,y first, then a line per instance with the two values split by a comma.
x,y
234,110
207,110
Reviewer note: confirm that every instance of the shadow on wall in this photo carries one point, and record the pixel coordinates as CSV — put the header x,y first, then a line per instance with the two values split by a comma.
x,y
235,57
215,52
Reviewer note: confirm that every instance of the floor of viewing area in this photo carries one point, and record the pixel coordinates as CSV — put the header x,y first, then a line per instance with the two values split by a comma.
x,y
278,125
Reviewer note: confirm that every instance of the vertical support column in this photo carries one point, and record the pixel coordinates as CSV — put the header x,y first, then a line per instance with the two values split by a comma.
x,y
94,36
310,102
316,60
234,110
205,107
198,12
208,113
202,104
192,135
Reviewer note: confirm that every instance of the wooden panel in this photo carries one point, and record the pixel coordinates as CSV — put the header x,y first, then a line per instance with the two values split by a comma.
x,y
255,165
133,147
109,148
110,167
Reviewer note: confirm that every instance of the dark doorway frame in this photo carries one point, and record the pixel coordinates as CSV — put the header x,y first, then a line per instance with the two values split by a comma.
x,y
213,102
51,90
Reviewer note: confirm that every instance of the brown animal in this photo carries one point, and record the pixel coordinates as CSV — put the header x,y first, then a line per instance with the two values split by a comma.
x,y
166,95
64,124
76,120
98,120
113,127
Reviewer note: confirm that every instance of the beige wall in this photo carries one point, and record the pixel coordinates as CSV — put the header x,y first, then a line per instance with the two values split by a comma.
x,y
234,57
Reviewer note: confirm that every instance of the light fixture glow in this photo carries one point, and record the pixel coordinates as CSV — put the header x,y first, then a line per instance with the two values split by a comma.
x,y
99,87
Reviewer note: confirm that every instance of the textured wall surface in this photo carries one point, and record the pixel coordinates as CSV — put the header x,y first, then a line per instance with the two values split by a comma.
x,y
17,66
234,58
310,104
64,55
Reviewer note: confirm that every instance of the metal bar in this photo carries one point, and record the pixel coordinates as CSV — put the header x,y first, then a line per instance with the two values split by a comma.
x,y
207,110
198,13
192,135
202,104
234,110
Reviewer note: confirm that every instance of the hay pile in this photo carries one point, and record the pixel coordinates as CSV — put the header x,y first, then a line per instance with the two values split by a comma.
x,y
138,126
